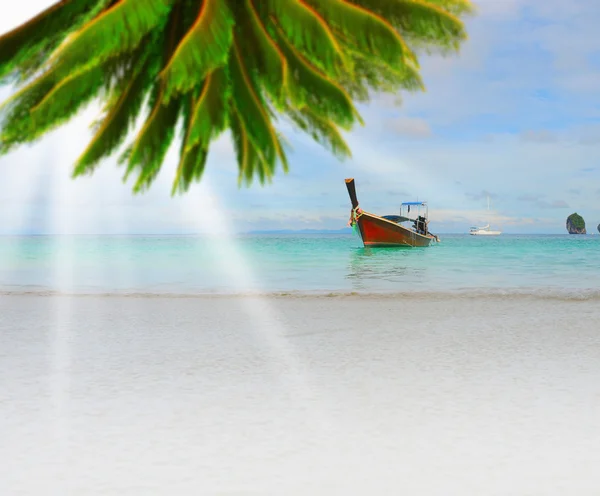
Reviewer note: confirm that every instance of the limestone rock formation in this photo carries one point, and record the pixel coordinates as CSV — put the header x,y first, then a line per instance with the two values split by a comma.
x,y
575,224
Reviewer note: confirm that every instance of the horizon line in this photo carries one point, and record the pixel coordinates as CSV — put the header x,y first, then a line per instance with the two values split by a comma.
x,y
258,231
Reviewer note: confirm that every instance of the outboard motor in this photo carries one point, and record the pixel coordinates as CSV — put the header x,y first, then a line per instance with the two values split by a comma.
x,y
421,225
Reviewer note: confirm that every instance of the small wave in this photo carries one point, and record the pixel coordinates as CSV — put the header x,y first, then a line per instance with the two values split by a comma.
x,y
456,294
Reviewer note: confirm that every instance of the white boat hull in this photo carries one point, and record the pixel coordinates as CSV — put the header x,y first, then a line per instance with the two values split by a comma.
x,y
485,233
484,230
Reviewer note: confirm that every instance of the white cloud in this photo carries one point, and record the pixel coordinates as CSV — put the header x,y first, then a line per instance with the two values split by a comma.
x,y
539,136
407,126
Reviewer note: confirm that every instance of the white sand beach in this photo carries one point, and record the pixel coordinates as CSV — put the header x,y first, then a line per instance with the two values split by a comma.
x,y
436,395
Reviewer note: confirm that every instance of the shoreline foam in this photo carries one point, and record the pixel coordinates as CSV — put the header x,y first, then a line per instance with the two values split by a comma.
x,y
458,294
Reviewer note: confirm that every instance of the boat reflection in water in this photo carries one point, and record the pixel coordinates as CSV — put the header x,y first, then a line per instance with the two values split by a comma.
x,y
381,269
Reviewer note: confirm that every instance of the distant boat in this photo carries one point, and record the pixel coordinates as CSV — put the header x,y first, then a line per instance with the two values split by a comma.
x,y
485,230
387,230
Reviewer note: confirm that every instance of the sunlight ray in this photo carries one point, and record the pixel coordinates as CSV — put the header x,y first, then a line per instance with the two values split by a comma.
x,y
210,218
62,206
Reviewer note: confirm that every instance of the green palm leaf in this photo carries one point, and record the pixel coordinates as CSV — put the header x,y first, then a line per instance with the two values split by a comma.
x,y
120,115
208,66
209,114
205,47
25,49
322,131
192,157
308,31
118,29
425,20
254,115
369,32
262,53
65,99
310,88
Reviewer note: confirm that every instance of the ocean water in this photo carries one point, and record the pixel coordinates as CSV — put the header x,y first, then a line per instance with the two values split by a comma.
x,y
294,263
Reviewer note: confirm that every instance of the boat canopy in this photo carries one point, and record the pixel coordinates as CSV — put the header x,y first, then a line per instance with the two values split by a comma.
x,y
423,204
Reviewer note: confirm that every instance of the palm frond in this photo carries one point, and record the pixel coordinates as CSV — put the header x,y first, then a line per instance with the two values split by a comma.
x,y
209,115
192,158
120,116
117,30
65,99
15,116
308,31
456,7
369,32
262,53
213,66
310,88
252,113
151,145
369,76
204,48
421,20
322,131
48,102
147,152
24,49
250,162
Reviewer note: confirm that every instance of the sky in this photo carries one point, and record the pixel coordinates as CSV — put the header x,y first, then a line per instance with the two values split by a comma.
x,y
514,116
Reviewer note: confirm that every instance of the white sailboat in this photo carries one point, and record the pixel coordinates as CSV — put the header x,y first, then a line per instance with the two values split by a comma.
x,y
485,230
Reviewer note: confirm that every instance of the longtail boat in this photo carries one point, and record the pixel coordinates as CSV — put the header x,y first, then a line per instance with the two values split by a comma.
x,y
388,230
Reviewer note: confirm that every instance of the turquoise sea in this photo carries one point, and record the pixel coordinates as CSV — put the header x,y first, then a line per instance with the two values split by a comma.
x,y
303,263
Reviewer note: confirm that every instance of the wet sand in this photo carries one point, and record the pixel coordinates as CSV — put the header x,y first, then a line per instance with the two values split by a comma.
x,y
284,395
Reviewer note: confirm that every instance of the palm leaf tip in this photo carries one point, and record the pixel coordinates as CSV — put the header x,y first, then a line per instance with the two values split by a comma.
x,y
209,113
190,169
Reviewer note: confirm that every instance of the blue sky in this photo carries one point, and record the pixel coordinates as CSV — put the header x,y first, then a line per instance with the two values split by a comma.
x,y
515,115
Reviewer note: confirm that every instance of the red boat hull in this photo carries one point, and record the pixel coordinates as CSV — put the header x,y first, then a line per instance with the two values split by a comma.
x,y
376,231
